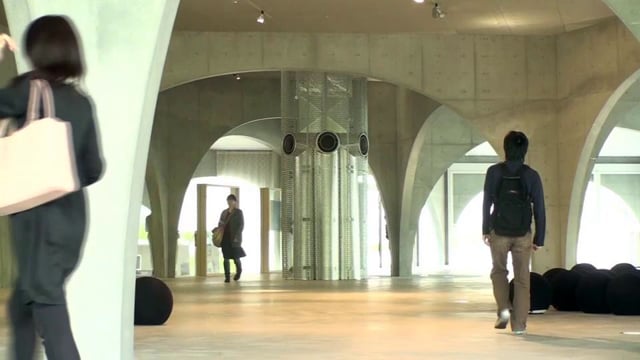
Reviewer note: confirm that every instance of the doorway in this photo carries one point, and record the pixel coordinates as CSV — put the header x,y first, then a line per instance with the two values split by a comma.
x,y
211,201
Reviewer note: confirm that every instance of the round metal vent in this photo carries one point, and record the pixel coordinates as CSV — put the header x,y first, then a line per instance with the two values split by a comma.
x,y
289,144
328,142
364,144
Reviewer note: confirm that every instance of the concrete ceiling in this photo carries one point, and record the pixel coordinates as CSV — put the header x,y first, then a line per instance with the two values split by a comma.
x,y
518,17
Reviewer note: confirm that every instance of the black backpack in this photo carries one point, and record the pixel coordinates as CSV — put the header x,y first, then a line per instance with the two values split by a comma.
x,y
512,209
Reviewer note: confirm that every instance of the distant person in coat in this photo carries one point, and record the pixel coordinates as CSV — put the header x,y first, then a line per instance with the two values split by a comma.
x,y
48,239
232,221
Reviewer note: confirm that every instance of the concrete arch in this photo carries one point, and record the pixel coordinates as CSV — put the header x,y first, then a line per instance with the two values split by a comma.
x,y
266,131
442,140
188,120
625,97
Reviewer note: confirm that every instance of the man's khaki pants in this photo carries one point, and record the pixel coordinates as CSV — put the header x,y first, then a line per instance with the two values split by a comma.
x,y
520,248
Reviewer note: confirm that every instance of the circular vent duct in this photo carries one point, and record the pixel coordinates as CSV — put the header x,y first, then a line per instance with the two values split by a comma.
x,y
364,144
289,144
328,142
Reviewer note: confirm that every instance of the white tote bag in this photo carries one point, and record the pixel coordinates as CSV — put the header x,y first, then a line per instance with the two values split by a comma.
x,y
37,162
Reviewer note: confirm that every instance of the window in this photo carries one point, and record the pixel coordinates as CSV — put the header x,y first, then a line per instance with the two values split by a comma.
x,y
609,227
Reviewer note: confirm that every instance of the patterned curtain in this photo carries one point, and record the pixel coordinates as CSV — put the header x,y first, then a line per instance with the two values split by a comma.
x,y
261,168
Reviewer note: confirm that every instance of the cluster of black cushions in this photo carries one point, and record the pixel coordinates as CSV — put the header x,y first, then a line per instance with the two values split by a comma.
x,y
585,288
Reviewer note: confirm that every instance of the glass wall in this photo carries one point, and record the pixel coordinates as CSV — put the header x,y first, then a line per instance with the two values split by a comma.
x,y
449,238
609,227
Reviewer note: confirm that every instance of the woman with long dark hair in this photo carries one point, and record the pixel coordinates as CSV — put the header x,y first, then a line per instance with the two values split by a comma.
x,y
48,239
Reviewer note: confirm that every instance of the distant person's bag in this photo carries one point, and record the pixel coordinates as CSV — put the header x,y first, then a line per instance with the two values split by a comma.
x,y
37,162
218,233
512,209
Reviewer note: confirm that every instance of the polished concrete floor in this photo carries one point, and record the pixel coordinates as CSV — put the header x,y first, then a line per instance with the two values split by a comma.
x,y
420,318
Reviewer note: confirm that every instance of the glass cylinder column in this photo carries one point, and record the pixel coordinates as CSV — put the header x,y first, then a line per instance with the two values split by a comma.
x,y
324,176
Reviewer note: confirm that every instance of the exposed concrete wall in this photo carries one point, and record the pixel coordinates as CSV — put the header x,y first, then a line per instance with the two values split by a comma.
x,y
443,67
207,166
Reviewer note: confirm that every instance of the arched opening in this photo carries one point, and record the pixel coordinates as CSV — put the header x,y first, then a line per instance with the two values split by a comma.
x,y
446,170
610,225
233,162
450,227
619,109
249,164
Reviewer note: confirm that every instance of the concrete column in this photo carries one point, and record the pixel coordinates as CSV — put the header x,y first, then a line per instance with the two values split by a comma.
x,y
125,42
394,126
7,268
156,221
383,119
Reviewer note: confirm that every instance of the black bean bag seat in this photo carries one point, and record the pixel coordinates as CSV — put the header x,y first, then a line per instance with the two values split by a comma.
x,y
540,293
584,268
551,273
154,301
623,268
564,287
623,294
591,293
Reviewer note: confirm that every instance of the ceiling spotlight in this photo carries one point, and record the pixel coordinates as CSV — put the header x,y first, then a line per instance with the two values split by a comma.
x,y
237,76
261,17
437,12
418,1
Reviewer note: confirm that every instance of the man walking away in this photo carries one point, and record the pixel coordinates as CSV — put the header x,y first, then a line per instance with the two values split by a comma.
x,y
511,189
